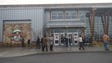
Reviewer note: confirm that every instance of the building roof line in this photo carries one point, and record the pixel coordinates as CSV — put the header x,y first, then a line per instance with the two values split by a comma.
x,y
45,5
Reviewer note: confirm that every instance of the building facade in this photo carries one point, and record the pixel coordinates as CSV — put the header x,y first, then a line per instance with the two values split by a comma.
x,y
59,20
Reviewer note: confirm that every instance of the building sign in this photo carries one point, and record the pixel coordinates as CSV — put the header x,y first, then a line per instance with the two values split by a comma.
x,y
16,35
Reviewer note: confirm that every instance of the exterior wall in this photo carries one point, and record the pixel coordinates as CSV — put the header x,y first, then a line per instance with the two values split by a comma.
x,y
38,17
34,14
1,26
1,29
110,28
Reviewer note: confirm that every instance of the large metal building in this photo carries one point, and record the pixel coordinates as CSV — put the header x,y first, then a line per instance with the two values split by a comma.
x,y
32,21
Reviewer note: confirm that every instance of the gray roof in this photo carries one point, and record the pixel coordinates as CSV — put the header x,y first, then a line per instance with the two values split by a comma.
x,y
72,5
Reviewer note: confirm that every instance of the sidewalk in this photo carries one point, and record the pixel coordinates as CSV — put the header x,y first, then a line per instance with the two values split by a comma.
x,y
13,52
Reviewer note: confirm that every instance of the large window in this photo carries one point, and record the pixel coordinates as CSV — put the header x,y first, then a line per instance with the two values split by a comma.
x,y
71,14
82,15
63,14
110,29
57,15
98,28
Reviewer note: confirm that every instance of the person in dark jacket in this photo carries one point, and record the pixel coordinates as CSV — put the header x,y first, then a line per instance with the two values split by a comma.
x,y
62,40
90,40
22,42
29,43
38,43
66,41
42,45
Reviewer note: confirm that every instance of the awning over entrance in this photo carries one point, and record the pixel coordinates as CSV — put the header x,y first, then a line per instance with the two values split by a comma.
x,y
65,24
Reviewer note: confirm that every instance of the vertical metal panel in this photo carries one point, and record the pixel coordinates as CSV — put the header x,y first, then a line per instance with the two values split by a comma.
x,y
37,23
1,29
1,25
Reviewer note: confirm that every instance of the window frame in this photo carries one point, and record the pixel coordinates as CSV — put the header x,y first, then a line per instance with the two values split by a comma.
x,y
57,14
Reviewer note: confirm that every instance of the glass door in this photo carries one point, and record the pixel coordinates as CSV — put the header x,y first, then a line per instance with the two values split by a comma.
x,y
56,39
75,38
70,39
62,35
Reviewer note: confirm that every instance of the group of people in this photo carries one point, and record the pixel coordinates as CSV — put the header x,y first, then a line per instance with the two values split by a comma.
x,y
106,40
23,44
81,41
46,42
67,41
42,43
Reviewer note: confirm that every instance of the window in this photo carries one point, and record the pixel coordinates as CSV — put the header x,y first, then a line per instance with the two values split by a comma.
x,y
82,14
57,15
70,14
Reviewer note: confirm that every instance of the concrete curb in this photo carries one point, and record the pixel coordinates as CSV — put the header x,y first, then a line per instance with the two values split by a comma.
x,y
56,51
49,53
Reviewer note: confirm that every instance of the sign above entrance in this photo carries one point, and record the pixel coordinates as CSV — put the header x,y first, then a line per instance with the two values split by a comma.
x,y
64,24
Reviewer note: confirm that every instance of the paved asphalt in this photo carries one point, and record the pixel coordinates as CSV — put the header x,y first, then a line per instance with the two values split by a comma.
x,y
62,58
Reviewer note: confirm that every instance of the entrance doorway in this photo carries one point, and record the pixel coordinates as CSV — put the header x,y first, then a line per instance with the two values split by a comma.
x,y
56,39
62,35
59,38
70,38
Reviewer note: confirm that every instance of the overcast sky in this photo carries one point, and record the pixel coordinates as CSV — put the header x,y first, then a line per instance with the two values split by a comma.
x,y
13,2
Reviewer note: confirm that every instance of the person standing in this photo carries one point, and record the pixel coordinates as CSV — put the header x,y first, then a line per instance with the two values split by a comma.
x,y
38,43
90,40
51,43
70,40
106,40
65,39
62,40
42,44
22,42
45,43
29,43
81,44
